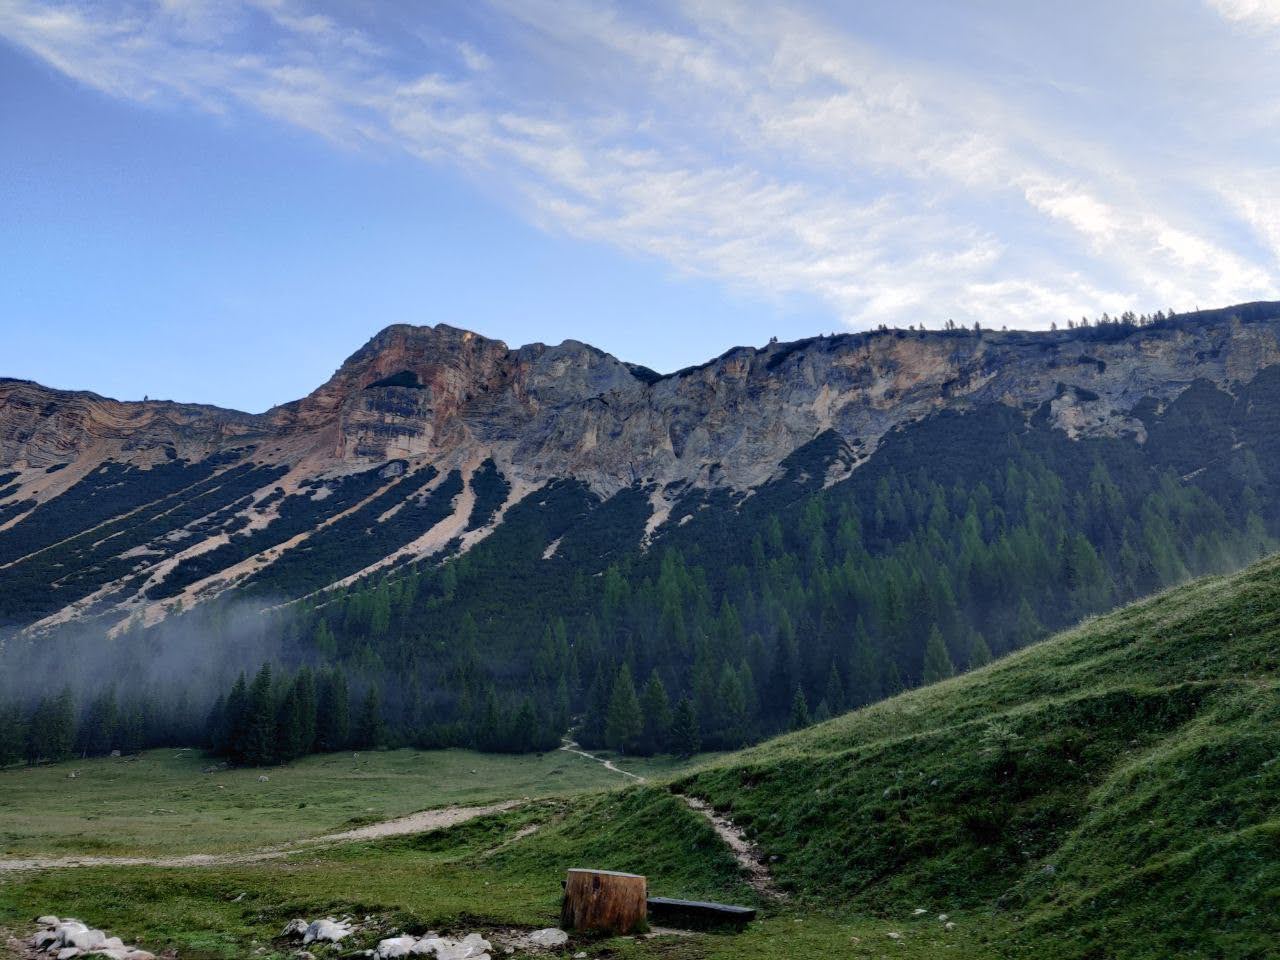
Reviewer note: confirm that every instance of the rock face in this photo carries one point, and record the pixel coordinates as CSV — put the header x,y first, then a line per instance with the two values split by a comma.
x,y
453,400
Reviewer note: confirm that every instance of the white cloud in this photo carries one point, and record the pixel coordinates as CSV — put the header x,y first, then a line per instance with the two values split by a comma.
x,y
1257,14
759,146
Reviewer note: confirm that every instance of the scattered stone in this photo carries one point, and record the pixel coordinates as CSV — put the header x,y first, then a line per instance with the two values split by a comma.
x,y
943,918
67,938
395,947
919,911
894,936
297,927
549,938
115,753
328,929
949,926
263,779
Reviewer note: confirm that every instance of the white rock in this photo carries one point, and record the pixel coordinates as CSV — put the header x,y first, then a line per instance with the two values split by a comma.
x,y
948,927
327,929
918,911
85,939
136,954
48,921
113,943
263,779
894,936
549,938
943,918
67,953
395,947
46,937
297,927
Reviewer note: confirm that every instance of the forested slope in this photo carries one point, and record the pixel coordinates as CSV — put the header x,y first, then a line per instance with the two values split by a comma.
x,y
1112,791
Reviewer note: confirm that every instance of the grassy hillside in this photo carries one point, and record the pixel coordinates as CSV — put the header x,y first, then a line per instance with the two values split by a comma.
x,y
1114,791
1111,792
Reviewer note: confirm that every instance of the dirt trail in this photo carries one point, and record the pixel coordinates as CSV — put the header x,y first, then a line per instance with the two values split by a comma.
x,y
744,851
569,746
421,822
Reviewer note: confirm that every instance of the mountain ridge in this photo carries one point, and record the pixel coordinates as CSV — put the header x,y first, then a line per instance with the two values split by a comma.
x,y
448,401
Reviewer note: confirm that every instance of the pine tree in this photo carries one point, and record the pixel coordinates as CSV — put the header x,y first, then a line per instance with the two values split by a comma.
x,y
834,694
333,713
51,730
13,735
288,736
800,711
236,719
937,662
260,721
979,652
133,728
370,733
304,684
656,707
624,722
98,729
685,737
731,709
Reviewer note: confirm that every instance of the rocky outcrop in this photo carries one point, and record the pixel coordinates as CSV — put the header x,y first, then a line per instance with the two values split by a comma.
x,y
454,399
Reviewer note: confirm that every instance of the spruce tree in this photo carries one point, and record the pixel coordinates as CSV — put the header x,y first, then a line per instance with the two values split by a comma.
x,y
260,720
800,711
13,735
305,686
731,709
624,722
937,662
333,713
834,694
288,737
133,728
979,652
686,740
370,731
656,707
235,719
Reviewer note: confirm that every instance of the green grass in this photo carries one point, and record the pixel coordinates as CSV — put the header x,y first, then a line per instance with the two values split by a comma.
x,y
164,804
1112,792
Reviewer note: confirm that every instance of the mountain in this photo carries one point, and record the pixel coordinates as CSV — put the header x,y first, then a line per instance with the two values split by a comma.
x,y
799,528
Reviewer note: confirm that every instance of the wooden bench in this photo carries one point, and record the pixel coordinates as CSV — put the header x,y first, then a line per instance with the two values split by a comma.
x,y
698,913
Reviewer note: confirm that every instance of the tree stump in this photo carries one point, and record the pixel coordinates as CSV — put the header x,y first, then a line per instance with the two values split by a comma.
x,y
604,900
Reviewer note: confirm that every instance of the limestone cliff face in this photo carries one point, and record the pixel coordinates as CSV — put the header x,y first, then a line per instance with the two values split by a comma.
x,y
450,400
448,396
572,411
40,427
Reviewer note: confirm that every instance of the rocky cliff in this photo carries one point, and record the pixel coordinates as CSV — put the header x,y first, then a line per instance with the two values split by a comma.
x,y
419,415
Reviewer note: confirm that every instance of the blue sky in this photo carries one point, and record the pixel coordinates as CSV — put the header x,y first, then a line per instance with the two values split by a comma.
x,y
218,202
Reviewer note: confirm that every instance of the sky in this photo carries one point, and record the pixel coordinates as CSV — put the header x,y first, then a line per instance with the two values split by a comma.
x,y
220,201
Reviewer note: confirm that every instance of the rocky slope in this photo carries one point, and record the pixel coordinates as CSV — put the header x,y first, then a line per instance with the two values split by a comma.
x,y
426,435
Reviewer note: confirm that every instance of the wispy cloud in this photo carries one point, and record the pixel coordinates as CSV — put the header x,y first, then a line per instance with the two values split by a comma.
x,y
772,149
